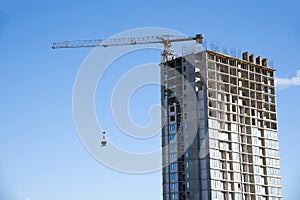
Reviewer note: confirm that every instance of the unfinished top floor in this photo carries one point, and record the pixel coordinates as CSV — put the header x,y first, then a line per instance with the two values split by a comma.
x,y
250,63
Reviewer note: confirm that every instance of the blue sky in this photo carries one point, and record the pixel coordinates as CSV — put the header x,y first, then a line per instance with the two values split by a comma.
x,y
41,154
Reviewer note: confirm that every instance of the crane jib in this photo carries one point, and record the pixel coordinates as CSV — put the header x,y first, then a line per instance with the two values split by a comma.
x,y
163,39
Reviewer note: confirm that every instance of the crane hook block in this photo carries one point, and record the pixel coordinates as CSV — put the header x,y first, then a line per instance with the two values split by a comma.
x,y
103,141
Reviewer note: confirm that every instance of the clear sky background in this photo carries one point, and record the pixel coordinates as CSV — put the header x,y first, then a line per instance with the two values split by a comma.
x,y
41,156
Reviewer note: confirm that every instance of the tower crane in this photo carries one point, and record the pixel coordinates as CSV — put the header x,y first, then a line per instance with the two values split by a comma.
x,y
166,40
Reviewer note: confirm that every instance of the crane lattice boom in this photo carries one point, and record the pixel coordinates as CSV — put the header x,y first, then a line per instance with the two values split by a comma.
x,y
163,39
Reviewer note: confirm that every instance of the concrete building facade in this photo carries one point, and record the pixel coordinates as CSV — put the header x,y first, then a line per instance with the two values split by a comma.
x,y
219,136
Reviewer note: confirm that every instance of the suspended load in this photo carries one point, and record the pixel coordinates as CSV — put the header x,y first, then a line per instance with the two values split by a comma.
x,y
103,141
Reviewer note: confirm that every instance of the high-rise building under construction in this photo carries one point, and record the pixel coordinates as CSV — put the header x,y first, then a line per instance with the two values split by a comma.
x,y
220,139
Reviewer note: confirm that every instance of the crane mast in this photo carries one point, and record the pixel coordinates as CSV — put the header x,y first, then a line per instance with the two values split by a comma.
x,y
166,40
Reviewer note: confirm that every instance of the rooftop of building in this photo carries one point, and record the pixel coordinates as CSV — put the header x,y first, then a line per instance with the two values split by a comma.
x,y
250,60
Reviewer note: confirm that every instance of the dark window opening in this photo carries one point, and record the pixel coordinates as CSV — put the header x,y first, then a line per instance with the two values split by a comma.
x,y
172,118
172,109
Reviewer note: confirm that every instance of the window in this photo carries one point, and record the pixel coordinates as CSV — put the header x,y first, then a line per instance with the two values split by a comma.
x,y
234,137
256,169
238,196
172,118
174,166
223,136
214,194
217,195
188,185
272,162
214,143
214,134
236,166
173,156
274,172
174,186
270,134
234,127
224,146
271,143
172,136
185,125
187,164
237,176
186,154
258,198
186,135
215,174
215,163
172,127
255,141
274,181
174,196
173,147
215,184
272,153
213,123
173,175
215,153
235,147
187,174
172,108
275,191
235,157
257,179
